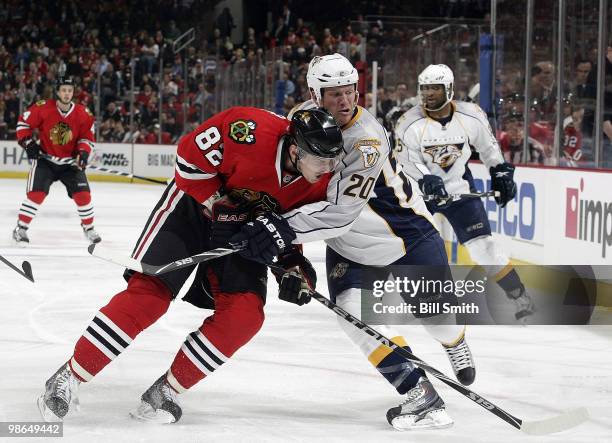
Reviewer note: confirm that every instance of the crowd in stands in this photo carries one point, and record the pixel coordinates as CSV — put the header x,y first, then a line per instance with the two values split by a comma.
x,y
115,51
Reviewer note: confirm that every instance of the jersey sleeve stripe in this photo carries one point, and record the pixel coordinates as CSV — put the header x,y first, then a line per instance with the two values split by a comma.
x,y
311,213
297,231
191,172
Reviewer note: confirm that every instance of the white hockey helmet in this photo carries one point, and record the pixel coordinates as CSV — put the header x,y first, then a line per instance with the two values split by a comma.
x,y
328,71
437,75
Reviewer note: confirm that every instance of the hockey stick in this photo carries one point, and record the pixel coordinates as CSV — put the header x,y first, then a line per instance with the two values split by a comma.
x,y
455,197
112,171
148,269
26,266
561,422
126,174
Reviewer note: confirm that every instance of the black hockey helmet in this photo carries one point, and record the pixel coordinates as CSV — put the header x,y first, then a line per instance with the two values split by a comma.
x,y
61,81
316,132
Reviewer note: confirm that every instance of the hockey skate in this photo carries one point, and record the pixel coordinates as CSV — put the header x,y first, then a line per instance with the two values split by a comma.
x,y
61,392
20,235
159,404
91,234
462,362
524,304
422,409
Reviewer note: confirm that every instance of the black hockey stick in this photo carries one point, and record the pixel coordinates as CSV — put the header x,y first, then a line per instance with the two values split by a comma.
x,y
566,420
26,266
148,269
455,197
111,171
126,174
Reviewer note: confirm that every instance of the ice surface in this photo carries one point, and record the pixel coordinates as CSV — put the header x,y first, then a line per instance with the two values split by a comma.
x,y
299,379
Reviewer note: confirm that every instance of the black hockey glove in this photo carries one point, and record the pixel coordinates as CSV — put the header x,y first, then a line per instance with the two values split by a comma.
x,y
32,148
502,180
299,278
82,159
227,219
264,238
434,185
294,289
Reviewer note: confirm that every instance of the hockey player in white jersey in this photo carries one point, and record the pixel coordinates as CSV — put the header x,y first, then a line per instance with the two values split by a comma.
x,y
394,228
433,144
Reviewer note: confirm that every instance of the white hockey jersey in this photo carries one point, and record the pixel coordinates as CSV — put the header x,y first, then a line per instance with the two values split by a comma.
x,y
377,231
425,146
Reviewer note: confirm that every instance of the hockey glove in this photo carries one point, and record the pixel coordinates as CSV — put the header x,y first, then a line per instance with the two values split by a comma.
x,y
502,180
32,148
294,289
227,219
82,159
299,278
434,185
264,238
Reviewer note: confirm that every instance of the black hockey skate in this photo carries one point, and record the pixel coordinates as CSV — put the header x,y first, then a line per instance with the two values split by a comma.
x,y
91,234
462,362
159,404
61,391
524,304
20,235
422,409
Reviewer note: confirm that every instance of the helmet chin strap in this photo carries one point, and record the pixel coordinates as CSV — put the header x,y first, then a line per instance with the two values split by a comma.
x,y
437,109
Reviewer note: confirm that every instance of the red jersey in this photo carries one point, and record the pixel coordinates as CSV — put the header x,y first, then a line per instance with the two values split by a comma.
x,y
572,141
241,148
61,134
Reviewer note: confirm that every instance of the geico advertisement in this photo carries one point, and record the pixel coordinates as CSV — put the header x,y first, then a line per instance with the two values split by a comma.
x,y
523,217
13,157
558,216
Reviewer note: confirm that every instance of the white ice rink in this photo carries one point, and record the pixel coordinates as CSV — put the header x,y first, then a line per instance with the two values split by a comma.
x,y
299,379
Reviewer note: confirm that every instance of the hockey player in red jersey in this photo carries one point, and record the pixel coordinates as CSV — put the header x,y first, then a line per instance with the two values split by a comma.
x,y
242,164
65,141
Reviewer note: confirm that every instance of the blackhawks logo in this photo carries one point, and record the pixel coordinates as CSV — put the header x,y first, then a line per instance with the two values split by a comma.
x,y
60,134
255,200
243,131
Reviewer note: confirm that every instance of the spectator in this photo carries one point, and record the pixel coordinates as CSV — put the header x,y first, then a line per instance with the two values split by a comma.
x,y
225,23
542,89
149,53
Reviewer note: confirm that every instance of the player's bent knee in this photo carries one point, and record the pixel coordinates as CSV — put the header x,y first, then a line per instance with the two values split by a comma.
x,y
145,300
37,196
238,317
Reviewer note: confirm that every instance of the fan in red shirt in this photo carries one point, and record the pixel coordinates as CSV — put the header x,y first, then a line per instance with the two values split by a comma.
x,y
65,141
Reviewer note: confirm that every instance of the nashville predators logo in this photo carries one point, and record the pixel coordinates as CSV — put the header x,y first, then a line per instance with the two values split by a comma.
x,y
242,131
60,134
444,155
339,270
369,151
